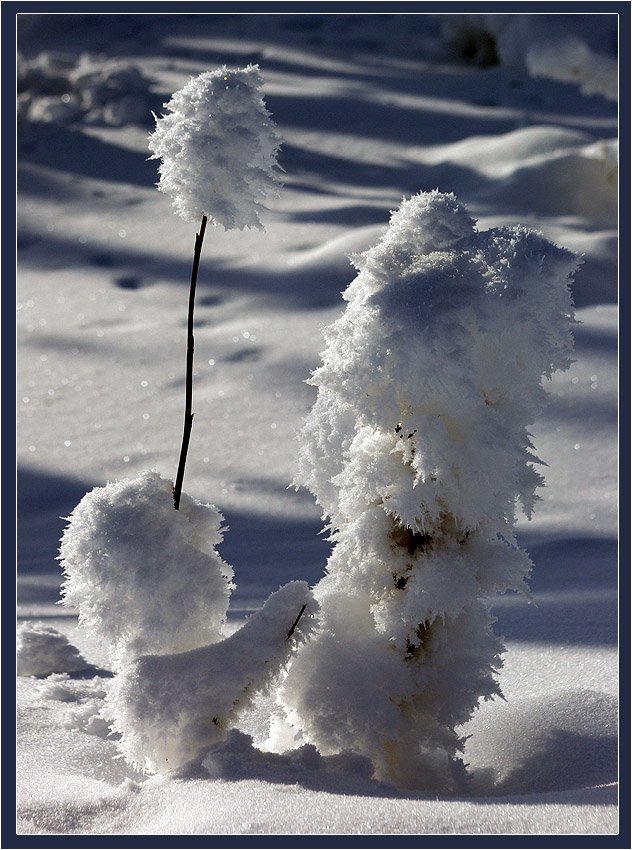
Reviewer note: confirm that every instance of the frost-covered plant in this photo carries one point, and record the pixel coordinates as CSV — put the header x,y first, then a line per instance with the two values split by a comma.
x,y
218,149
417,449
150,586
145,578
171,708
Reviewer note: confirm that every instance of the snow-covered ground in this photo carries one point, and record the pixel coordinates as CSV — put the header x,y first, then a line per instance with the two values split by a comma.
x,y
371,108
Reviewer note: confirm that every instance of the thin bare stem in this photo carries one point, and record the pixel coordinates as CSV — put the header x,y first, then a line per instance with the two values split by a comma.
x,y
188,404
295,623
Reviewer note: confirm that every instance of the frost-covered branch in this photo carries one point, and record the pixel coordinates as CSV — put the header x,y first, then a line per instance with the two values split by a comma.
x,y
148,581
171,708
218,147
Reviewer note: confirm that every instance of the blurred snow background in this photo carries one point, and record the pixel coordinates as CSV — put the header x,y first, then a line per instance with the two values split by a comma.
x,y
517,115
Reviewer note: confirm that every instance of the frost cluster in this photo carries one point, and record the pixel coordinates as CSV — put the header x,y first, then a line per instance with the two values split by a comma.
x,y
170,708
218,148
59,89
417,449
144,577
148,583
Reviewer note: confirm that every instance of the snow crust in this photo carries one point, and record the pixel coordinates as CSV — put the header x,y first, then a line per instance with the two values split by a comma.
x,y
244,791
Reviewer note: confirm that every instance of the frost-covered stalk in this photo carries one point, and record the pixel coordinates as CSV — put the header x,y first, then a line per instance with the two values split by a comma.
x,y
148,581
417,449
218,149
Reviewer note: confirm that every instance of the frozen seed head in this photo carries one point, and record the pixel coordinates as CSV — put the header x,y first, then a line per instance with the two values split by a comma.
x,y
218,148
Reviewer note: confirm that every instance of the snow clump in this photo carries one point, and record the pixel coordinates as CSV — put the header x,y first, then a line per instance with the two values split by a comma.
x,y
42,650
144,577
417,450
170,708
218,148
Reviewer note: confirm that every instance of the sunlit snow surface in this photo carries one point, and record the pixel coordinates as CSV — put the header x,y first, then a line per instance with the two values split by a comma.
x,y
371,109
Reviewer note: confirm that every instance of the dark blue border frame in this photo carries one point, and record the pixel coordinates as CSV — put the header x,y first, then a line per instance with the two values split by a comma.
x,y
9,9
217,7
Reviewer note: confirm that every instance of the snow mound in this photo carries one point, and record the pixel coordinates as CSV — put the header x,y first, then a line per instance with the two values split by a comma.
x,y
55,88
548,170
42,650
236,758
581,182
90,722
569,60
144,577
168,708
552,742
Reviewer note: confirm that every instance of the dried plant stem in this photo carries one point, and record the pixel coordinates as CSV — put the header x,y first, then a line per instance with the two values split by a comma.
x,y
295,623
188,413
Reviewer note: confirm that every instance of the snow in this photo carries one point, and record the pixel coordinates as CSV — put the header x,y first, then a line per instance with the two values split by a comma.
x,y
43,650
367,117
57,88
543,45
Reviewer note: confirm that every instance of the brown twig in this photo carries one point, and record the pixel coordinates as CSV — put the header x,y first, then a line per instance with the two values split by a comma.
x,y
188,414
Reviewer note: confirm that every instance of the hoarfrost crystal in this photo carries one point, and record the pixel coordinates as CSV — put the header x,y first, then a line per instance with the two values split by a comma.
x,y
218,148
